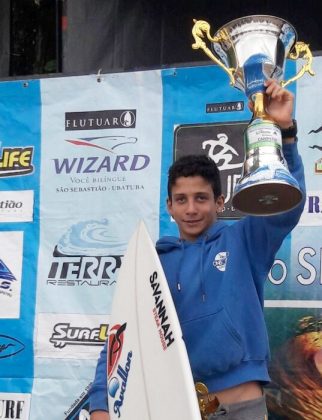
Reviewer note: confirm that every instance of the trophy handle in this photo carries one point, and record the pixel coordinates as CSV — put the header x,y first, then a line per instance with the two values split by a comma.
x,y
199,28
302,50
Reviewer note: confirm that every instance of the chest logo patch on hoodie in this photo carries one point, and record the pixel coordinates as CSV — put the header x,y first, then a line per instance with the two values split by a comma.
x,y
220,260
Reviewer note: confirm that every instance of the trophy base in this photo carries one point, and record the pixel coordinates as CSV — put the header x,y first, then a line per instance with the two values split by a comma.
x,y
269,190
267,198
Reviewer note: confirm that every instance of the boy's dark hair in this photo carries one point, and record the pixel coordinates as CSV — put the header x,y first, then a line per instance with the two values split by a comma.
x,y
195,165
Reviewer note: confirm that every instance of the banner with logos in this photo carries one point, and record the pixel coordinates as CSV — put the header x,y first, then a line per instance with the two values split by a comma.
x,y
20,149
82,160
100,176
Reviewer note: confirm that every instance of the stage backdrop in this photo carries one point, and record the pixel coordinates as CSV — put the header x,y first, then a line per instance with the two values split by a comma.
x,y
82,160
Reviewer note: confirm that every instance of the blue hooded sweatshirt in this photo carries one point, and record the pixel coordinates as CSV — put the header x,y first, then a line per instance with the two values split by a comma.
x,y
217,284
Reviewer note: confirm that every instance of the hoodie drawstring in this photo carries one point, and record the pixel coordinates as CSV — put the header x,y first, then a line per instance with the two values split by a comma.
x,y
179,265
201,267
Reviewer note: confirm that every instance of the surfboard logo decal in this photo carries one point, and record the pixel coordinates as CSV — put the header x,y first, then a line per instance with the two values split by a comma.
x,y
117,385
115,346
117,373
160,313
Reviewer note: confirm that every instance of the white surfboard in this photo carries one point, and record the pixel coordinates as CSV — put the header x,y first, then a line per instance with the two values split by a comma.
x,y
149,376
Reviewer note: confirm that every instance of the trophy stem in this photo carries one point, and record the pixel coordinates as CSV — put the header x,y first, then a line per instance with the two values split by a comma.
x,y
259,99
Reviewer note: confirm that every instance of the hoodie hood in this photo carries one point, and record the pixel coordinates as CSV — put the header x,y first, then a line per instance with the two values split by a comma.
x,y
168,243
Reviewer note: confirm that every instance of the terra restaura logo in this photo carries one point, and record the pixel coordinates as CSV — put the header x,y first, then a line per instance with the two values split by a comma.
x,y
89,253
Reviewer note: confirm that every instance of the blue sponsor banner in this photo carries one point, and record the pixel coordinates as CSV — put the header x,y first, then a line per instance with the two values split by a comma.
x,y
197,98
310,131
20,114
295,279
186,94
101,162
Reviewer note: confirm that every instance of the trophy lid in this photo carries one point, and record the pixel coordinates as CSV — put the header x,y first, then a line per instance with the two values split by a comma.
x,y
260,19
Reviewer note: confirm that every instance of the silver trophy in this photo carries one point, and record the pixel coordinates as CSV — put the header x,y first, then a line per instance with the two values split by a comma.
x,y
250,50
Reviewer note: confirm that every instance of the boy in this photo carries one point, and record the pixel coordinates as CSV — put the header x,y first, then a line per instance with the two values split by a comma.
x,y
216,274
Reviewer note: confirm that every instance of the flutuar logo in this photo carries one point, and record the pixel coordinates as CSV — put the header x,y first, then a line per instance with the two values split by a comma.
x,y
98,120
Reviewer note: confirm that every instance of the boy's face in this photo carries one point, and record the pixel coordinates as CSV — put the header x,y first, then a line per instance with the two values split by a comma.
x,y
193,206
